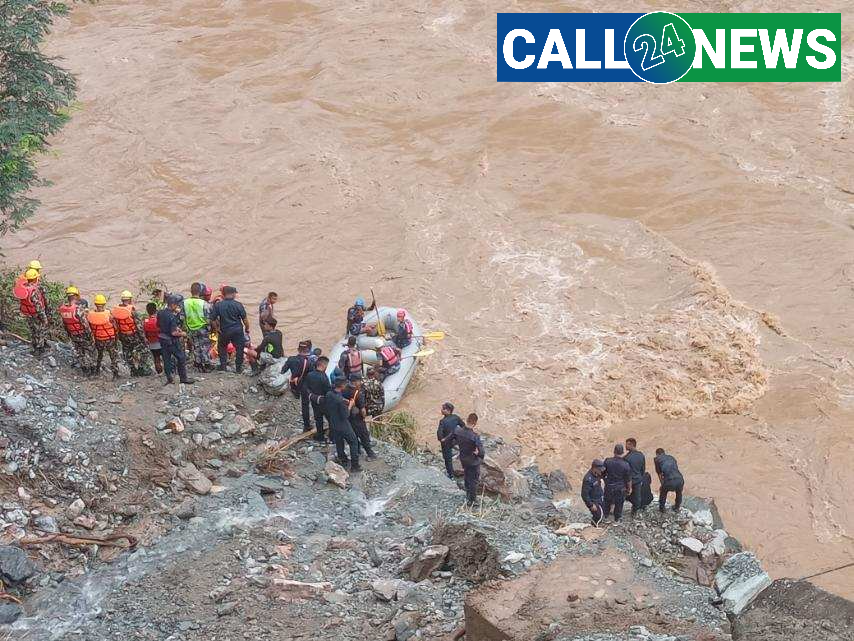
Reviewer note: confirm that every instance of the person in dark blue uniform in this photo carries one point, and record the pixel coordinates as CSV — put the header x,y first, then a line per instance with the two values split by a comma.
x,y
172,341
298,367
337,410
317,384
618,483
472,454
637,461
445,434
229,317
671,479
355,396
591,491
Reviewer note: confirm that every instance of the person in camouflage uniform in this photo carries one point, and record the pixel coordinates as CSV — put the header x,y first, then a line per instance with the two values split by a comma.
x,y
73,314
374,393
197,312
132,336
104,332
33,303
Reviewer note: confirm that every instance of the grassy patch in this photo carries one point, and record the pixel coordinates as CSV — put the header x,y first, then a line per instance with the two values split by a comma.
x,y
397,428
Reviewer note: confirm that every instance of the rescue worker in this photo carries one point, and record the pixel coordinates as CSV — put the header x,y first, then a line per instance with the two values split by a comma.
x,y
197,313
33,304
670,477
389,357
298,367
374,392
317,384
312,358
448,424
36,265
272,343
172,340
356,402
265,308
356,318
103,329
131,336
637,461
152,335
618,483
591,491
403,331
472,454
229,317
336,409
73,314
351,359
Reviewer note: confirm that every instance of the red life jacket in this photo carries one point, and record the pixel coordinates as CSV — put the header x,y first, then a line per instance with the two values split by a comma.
x,y
25,295
126,321
389,355
151,329
102,326
72,323
354,361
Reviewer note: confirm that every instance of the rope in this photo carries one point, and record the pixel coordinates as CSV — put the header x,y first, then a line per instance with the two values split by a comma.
x,y
841,567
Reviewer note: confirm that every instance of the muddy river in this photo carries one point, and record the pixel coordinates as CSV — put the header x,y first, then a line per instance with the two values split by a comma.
x,y
671,263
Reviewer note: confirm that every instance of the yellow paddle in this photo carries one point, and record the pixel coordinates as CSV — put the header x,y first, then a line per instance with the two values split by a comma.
x,y
433,336
380,324
424,353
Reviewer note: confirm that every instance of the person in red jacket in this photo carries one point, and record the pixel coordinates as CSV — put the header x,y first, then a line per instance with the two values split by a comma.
x,y
73,314
152,336
34,309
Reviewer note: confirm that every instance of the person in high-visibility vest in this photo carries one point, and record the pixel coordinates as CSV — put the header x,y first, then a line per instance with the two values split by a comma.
x,y
73,314
197,312
33,304
131,336
103,328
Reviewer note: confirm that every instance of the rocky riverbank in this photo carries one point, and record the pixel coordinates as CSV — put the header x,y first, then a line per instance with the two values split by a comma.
x,y
142,512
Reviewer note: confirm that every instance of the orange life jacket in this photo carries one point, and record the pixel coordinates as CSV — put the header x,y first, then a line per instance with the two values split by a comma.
x,y
126,321
354,361
151,329
102,325
73,326
389,355
24,292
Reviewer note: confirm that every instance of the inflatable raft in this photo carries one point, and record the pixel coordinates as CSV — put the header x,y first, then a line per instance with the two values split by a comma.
x,y
395,385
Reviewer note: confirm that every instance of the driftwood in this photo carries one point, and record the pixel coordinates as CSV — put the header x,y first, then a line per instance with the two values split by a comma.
x,y
67,539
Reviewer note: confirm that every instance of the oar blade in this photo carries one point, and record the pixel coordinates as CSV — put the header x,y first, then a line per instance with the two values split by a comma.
x,y
424,353
434,336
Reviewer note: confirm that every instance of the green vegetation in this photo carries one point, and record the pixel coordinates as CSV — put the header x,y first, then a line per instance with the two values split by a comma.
x,y
397,428
10,316
36,96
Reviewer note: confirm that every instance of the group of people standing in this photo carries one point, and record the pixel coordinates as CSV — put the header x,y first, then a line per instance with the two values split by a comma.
x,y
609,483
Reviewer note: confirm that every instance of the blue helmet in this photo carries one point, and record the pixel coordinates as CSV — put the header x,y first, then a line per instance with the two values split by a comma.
x,y
360,302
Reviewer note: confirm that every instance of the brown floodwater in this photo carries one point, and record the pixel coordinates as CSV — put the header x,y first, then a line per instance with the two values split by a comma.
x,y
672,263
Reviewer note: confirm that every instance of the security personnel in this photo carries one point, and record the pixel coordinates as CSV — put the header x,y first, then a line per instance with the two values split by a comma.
x,y
618,483
472,454
172,340
197,313
298,367
103,329
351,359
637,461
73,314
317,384
448,424
33,305
403,332
671,479
591,491
131,336
355,396
337,410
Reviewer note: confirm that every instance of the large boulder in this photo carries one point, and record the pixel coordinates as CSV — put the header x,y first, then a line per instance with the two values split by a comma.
x,y
430,560
193,479
471,553
336,474
498,474
15,566
740,580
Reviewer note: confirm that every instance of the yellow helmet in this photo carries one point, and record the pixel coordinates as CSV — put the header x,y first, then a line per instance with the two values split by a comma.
x,y
71,289
34,264
126,295
100,299
31,274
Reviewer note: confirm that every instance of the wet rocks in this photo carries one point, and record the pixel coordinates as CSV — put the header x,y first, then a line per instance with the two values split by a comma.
x,y
193,479
430,560
740,580
15,566
336,474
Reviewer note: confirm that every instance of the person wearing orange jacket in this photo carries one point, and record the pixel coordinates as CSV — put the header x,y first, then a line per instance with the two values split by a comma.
x,y
103,328
33,304
131,336
73,314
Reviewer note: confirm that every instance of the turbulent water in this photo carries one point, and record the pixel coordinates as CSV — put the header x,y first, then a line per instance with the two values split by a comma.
x,y
672,263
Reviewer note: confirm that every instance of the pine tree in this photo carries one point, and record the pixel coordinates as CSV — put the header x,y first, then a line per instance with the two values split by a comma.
x,y
35,95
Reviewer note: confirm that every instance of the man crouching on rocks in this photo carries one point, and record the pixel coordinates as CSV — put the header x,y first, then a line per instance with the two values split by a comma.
x,y
591,490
